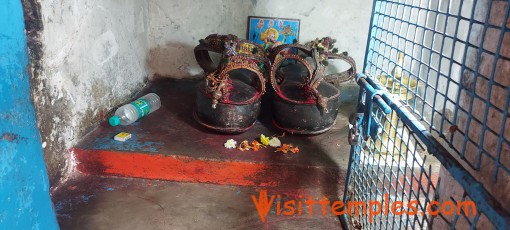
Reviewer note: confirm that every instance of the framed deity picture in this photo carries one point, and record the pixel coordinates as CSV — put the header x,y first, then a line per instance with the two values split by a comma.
x,y
270,32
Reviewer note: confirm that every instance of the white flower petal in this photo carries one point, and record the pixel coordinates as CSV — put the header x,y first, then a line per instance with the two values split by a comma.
x,y
275,142
230,144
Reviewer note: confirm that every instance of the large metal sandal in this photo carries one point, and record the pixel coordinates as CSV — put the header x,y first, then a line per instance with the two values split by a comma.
x,y
228,100
306,101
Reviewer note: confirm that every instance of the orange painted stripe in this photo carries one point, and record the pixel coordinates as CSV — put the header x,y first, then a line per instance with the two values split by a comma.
x,y
187,169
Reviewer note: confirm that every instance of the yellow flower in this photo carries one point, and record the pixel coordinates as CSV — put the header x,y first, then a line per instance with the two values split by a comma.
x,y
264,140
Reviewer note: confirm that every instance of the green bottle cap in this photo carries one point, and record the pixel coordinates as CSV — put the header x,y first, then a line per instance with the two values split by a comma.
x,y
114,121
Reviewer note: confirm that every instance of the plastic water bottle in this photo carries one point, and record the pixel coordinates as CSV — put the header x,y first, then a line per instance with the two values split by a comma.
x,y
135,110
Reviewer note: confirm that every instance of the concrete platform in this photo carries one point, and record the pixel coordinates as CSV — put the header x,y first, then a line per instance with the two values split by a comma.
x,y
170,145
96,202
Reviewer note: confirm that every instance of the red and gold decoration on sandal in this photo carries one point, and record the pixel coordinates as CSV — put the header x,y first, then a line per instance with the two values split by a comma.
x,y
314,88
222,101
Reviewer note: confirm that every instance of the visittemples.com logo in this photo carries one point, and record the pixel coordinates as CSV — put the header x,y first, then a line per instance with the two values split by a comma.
x,y
372,208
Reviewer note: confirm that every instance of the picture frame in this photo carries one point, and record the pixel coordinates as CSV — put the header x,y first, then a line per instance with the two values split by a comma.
x,y
272,31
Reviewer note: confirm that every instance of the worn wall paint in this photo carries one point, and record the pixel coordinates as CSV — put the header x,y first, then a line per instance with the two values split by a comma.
x,y
89,57
176,26
24,189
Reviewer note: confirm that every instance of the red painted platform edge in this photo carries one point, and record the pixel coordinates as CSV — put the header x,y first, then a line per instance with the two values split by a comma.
x,y
187,169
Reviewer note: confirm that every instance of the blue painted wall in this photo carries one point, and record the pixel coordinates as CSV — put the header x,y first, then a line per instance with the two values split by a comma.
x,y
24,191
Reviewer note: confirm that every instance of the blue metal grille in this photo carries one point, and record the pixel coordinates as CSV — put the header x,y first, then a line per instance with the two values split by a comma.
x,y
452,49
391,163
393,159
443,67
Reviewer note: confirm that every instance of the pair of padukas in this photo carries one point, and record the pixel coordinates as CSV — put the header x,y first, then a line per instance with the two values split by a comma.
x,y
303,98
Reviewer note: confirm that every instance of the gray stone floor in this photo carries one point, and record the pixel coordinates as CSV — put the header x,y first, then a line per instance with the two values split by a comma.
x,y
94,202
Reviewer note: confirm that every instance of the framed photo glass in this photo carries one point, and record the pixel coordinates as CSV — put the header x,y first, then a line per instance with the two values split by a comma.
x,y
270,32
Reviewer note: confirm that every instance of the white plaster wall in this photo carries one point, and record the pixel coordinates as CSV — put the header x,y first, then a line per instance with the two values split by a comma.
x,y
96,54
175,26
94,58
347,21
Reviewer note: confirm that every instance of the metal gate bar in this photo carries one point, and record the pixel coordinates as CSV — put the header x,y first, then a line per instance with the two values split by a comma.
x,y
407,175
445,73
435,64
399,177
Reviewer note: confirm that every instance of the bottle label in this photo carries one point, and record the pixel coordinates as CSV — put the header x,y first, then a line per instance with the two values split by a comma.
x,y
142,106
